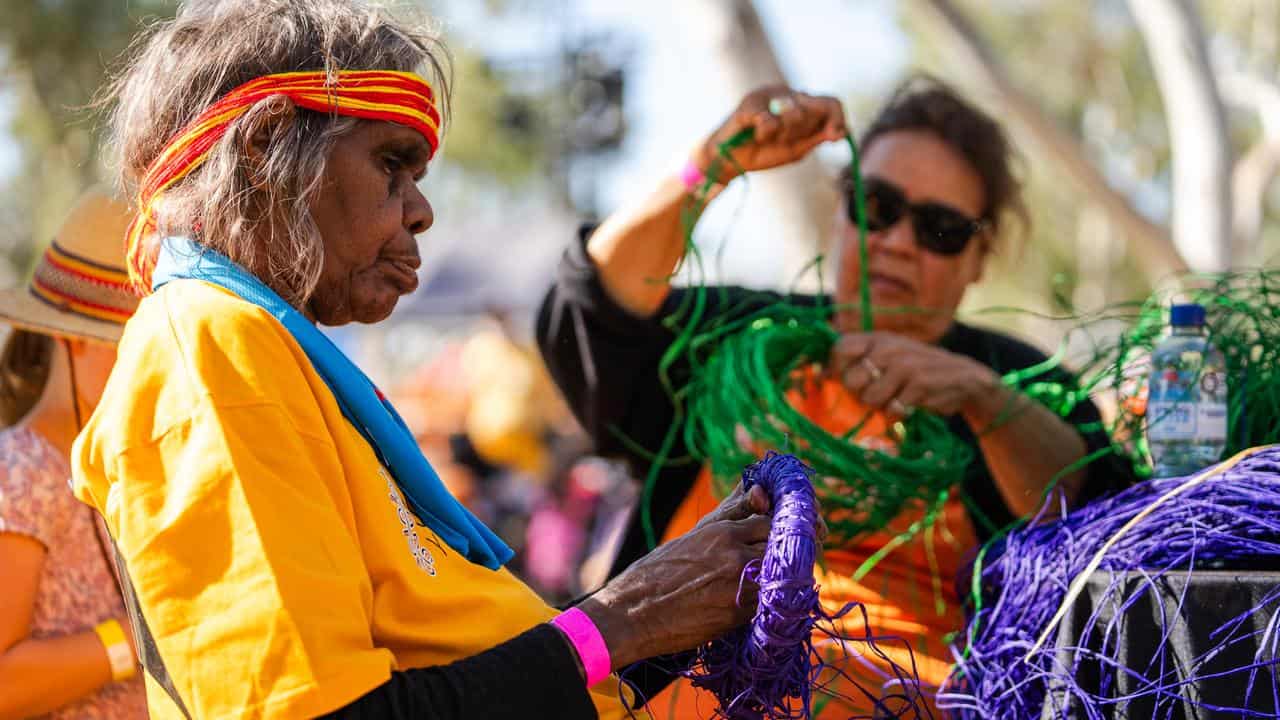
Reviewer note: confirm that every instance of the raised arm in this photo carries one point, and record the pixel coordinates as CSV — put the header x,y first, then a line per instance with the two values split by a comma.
x,y
638,247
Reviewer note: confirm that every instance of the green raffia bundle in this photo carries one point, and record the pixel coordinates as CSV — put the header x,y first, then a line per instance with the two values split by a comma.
x,y
740,391
742,366
1242,320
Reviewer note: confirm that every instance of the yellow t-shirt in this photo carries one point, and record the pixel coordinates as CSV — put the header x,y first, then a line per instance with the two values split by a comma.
x,y
276,562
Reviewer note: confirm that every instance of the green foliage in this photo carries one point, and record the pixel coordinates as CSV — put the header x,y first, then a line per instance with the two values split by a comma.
x,y
62,47
54,55
492,130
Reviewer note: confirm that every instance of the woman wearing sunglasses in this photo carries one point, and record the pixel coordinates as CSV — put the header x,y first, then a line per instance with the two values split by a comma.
x,y
940,193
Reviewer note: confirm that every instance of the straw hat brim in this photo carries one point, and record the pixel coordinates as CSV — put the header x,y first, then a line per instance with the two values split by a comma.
x,y
21,309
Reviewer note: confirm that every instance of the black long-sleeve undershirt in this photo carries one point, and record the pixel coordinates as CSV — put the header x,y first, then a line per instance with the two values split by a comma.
x,y
533,675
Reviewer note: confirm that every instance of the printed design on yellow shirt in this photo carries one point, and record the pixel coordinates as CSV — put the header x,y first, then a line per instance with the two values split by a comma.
x,y
409,526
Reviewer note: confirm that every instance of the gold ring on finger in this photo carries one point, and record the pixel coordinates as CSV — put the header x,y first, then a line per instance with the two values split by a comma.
x,y
871,369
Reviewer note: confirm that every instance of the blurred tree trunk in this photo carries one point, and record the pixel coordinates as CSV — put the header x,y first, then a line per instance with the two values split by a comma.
x,y
1149,243
1258,166
740,49
1175,41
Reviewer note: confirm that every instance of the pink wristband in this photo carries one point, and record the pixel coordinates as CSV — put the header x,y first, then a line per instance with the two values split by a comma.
x,y
692,176
586,639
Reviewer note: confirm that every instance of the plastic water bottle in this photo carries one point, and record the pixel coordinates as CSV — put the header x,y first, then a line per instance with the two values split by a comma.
x,y
1187,400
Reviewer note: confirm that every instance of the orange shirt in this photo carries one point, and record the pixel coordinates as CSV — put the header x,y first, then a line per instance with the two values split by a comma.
x,y
909,594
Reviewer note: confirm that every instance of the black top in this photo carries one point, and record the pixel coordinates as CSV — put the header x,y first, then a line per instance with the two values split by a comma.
x,y
605,361
533,675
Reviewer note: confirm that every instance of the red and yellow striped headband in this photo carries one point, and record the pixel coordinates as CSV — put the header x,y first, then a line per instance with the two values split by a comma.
x,y
398,97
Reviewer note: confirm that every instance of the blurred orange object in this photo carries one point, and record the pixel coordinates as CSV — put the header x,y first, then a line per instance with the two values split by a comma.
x,y
511,398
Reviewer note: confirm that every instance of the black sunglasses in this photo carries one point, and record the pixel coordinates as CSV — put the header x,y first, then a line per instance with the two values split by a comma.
x,y
939,229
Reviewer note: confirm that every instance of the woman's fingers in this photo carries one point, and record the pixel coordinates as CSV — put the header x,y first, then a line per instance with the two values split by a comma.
x,y
803,120
848,353
886,386
753,530
690,590
887,372
766,127
808,117
836,127
739,505
857,377
786,126
685,592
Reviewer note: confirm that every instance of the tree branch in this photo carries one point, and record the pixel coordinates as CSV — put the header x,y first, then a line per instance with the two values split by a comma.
x,y
1197,130
1257,168
1148,242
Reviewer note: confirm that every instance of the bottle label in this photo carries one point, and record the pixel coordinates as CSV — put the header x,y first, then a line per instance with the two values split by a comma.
x,y
1171,420
1187,405
1211,422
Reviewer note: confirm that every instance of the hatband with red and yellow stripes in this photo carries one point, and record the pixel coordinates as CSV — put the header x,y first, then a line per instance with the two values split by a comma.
x,y
80,286
399,97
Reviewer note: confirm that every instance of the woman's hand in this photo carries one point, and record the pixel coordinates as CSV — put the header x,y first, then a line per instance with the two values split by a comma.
x,y
897,374
686,591
787,125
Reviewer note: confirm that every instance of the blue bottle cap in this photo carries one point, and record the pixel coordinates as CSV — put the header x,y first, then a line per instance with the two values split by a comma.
x,y
1188,314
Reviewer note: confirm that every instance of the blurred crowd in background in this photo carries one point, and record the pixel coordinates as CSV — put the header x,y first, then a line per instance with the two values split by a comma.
x,y
485,411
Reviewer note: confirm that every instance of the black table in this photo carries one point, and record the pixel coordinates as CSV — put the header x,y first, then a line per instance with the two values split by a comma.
x,y
1193,613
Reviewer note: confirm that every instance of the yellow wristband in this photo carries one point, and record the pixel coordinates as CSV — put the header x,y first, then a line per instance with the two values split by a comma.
x,y
119,653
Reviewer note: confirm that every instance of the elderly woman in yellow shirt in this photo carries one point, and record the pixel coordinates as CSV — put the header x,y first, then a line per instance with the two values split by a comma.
x,y
288,552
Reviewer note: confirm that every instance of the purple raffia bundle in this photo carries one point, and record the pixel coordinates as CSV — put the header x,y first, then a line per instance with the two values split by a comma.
x,y
1014,659
766,670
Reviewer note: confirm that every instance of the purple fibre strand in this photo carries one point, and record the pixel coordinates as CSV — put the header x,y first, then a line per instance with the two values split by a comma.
x,y
764,670
1234,516
768,669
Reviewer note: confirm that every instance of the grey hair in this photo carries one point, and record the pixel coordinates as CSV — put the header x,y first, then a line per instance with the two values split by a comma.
x,y
259,213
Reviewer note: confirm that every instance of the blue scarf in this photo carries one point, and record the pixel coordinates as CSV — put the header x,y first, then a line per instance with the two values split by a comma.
x,y
361,403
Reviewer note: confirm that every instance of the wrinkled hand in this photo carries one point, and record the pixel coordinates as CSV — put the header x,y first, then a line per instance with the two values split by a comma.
x,y
801,123
897,374
758,501
685,592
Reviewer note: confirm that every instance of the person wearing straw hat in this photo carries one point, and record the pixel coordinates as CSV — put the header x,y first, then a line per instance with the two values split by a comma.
x,y
65,647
